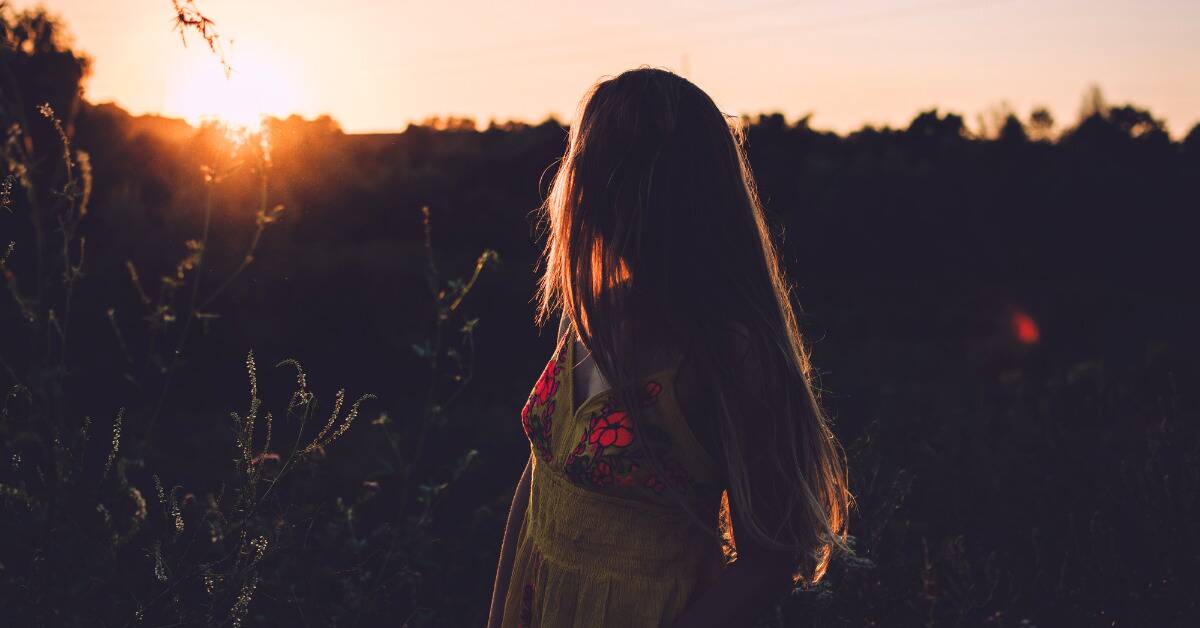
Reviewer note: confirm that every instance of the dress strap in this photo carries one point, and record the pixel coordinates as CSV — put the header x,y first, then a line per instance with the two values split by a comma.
x,y
563,327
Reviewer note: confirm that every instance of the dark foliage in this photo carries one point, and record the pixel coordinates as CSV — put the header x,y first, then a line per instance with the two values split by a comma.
x,y
1005,329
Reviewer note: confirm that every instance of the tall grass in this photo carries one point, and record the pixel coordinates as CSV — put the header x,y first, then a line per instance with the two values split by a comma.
x,y
92,534
1056,488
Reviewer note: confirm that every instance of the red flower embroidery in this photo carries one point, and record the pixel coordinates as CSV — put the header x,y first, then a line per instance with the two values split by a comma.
x,y
538,414
611,430
608,456
547,384
602,474
655,484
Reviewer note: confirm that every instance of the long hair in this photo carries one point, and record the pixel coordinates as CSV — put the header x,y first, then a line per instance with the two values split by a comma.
x,y
655,238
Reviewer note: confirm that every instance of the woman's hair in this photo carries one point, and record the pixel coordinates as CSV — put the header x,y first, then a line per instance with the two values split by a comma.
x,y
656,238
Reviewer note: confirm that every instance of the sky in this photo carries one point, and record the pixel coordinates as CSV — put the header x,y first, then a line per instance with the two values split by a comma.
x,y
376,65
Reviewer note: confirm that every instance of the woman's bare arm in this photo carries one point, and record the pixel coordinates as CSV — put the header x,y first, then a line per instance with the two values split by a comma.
x,y
743,591
758,577
508,545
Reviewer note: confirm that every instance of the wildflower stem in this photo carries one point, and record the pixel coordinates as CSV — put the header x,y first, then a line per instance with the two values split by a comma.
x,y
197,274
260,226
434,280
17,109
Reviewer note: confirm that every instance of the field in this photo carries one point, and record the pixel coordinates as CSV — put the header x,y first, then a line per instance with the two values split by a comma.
x,y
1004,326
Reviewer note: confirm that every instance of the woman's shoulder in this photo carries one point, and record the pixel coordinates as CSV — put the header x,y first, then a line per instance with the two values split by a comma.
x,y
729,363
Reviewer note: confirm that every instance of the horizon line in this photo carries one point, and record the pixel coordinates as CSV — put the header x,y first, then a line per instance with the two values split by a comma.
x,y
483,124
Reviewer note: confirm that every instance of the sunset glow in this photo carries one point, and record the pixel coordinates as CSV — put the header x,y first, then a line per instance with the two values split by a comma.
x,y
375,66
253,89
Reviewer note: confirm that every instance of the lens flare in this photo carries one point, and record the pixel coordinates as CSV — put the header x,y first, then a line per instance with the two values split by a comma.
x,y
1025,328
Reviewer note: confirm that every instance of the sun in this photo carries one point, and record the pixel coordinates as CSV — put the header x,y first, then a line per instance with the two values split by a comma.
x,y
254,88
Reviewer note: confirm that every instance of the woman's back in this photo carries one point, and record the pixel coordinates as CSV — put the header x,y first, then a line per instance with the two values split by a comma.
x,y
656,236
605,540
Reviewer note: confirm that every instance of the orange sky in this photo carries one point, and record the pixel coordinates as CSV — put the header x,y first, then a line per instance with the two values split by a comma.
x,y
376,65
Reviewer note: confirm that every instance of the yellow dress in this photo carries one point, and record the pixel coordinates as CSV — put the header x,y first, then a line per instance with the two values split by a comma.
x,y
604,540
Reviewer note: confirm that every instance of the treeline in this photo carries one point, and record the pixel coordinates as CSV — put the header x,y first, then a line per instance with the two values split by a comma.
x,y
1108,196
1003,324
1107,201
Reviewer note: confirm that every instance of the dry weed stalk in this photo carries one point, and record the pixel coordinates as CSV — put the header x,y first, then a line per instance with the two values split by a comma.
x,y
116,443
188,17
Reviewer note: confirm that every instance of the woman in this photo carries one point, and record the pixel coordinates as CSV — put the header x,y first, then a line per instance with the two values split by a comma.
x,y
681,471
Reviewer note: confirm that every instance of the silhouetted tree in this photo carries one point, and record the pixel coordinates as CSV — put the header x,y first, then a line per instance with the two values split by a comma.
x,y
1191,143
1119,124
1012,131
930,134
930,125
1092,103
1041,124
1138,123
772,122
991,121
37,67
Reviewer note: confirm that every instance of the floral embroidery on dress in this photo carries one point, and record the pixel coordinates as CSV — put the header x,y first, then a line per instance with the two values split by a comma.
x,y
538,414
606,455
